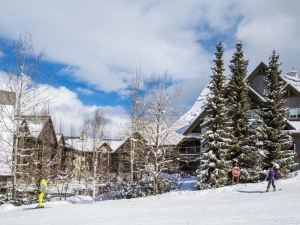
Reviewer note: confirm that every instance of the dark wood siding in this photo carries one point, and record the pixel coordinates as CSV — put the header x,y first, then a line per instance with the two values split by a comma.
x,y
258,84
296,138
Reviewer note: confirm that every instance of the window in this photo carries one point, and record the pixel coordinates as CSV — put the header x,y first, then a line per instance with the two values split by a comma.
x,y
294,113
194,150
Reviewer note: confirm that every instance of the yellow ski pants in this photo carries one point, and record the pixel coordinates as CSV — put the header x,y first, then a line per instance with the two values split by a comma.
x,y
40,198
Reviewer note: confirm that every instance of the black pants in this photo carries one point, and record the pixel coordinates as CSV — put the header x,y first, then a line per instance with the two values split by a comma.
x,y
273,184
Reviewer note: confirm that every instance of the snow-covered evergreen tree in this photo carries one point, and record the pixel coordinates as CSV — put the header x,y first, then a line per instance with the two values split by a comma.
x,y
239,104
214,168
252,155
278,141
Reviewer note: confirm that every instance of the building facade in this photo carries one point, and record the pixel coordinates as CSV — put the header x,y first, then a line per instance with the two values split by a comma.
x,y
192,124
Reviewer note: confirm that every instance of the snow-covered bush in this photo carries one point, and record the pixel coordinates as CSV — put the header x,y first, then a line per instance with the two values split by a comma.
x,y
142,188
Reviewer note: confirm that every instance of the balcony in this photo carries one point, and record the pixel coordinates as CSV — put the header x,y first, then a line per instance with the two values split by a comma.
x,y
189,151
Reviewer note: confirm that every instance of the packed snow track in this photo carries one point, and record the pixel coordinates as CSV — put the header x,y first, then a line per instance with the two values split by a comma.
x,y
243,204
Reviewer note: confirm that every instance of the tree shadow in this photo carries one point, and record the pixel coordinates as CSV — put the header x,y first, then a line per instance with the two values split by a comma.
x,y
251,192
33,208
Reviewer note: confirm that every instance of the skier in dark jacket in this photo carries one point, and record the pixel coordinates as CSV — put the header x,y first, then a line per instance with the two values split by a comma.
x,y
271,177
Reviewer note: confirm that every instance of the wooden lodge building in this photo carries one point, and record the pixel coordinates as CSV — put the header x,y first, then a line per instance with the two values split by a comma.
x,y
43,152
192,124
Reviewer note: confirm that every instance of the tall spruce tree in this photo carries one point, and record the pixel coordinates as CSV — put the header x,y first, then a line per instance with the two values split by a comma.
x,y
252,153
239,104
278,142
214,168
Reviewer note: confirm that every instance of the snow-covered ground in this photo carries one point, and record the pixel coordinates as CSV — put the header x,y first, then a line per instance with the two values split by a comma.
x,y
243,204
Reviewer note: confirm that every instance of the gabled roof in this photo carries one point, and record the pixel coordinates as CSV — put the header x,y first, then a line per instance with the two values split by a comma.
x,y
192,115
87,145
260,69
117,145
114,144
200,118
60,138
190,120
255,95
35,124
293,82
80,144
294,126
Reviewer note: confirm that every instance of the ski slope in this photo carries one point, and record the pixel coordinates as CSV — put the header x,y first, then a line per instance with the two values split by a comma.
x,y
242,204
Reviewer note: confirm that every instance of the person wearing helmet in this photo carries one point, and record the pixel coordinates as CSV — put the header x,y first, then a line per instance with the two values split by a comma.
x,y
236,172
271,177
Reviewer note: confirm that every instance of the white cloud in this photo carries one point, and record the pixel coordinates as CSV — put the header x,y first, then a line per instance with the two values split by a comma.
x,y
69,112
103,42
85,91
107,41
268,25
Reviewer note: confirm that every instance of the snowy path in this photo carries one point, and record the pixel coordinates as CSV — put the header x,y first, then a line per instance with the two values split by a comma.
x,y
186,184
234,205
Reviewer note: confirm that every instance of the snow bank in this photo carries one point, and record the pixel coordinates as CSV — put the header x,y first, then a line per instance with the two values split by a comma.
x,y
243,204
80,199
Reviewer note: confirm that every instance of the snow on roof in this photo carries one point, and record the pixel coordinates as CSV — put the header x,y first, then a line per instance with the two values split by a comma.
x,y
58,137
80,144
35,124
6,139
35,128
256,93
173,138
114,144
188,118
293,81
194,135
295,125
87,145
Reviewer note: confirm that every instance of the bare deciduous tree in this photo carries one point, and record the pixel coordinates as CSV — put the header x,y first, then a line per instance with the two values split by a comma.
x,y
97,134
20,78
134,97
156,126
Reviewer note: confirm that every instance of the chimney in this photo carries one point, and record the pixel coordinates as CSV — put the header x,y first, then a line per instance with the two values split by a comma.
x,y
293,73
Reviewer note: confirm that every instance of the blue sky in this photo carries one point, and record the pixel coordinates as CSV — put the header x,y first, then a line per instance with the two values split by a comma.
x,y
56,75
93,48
